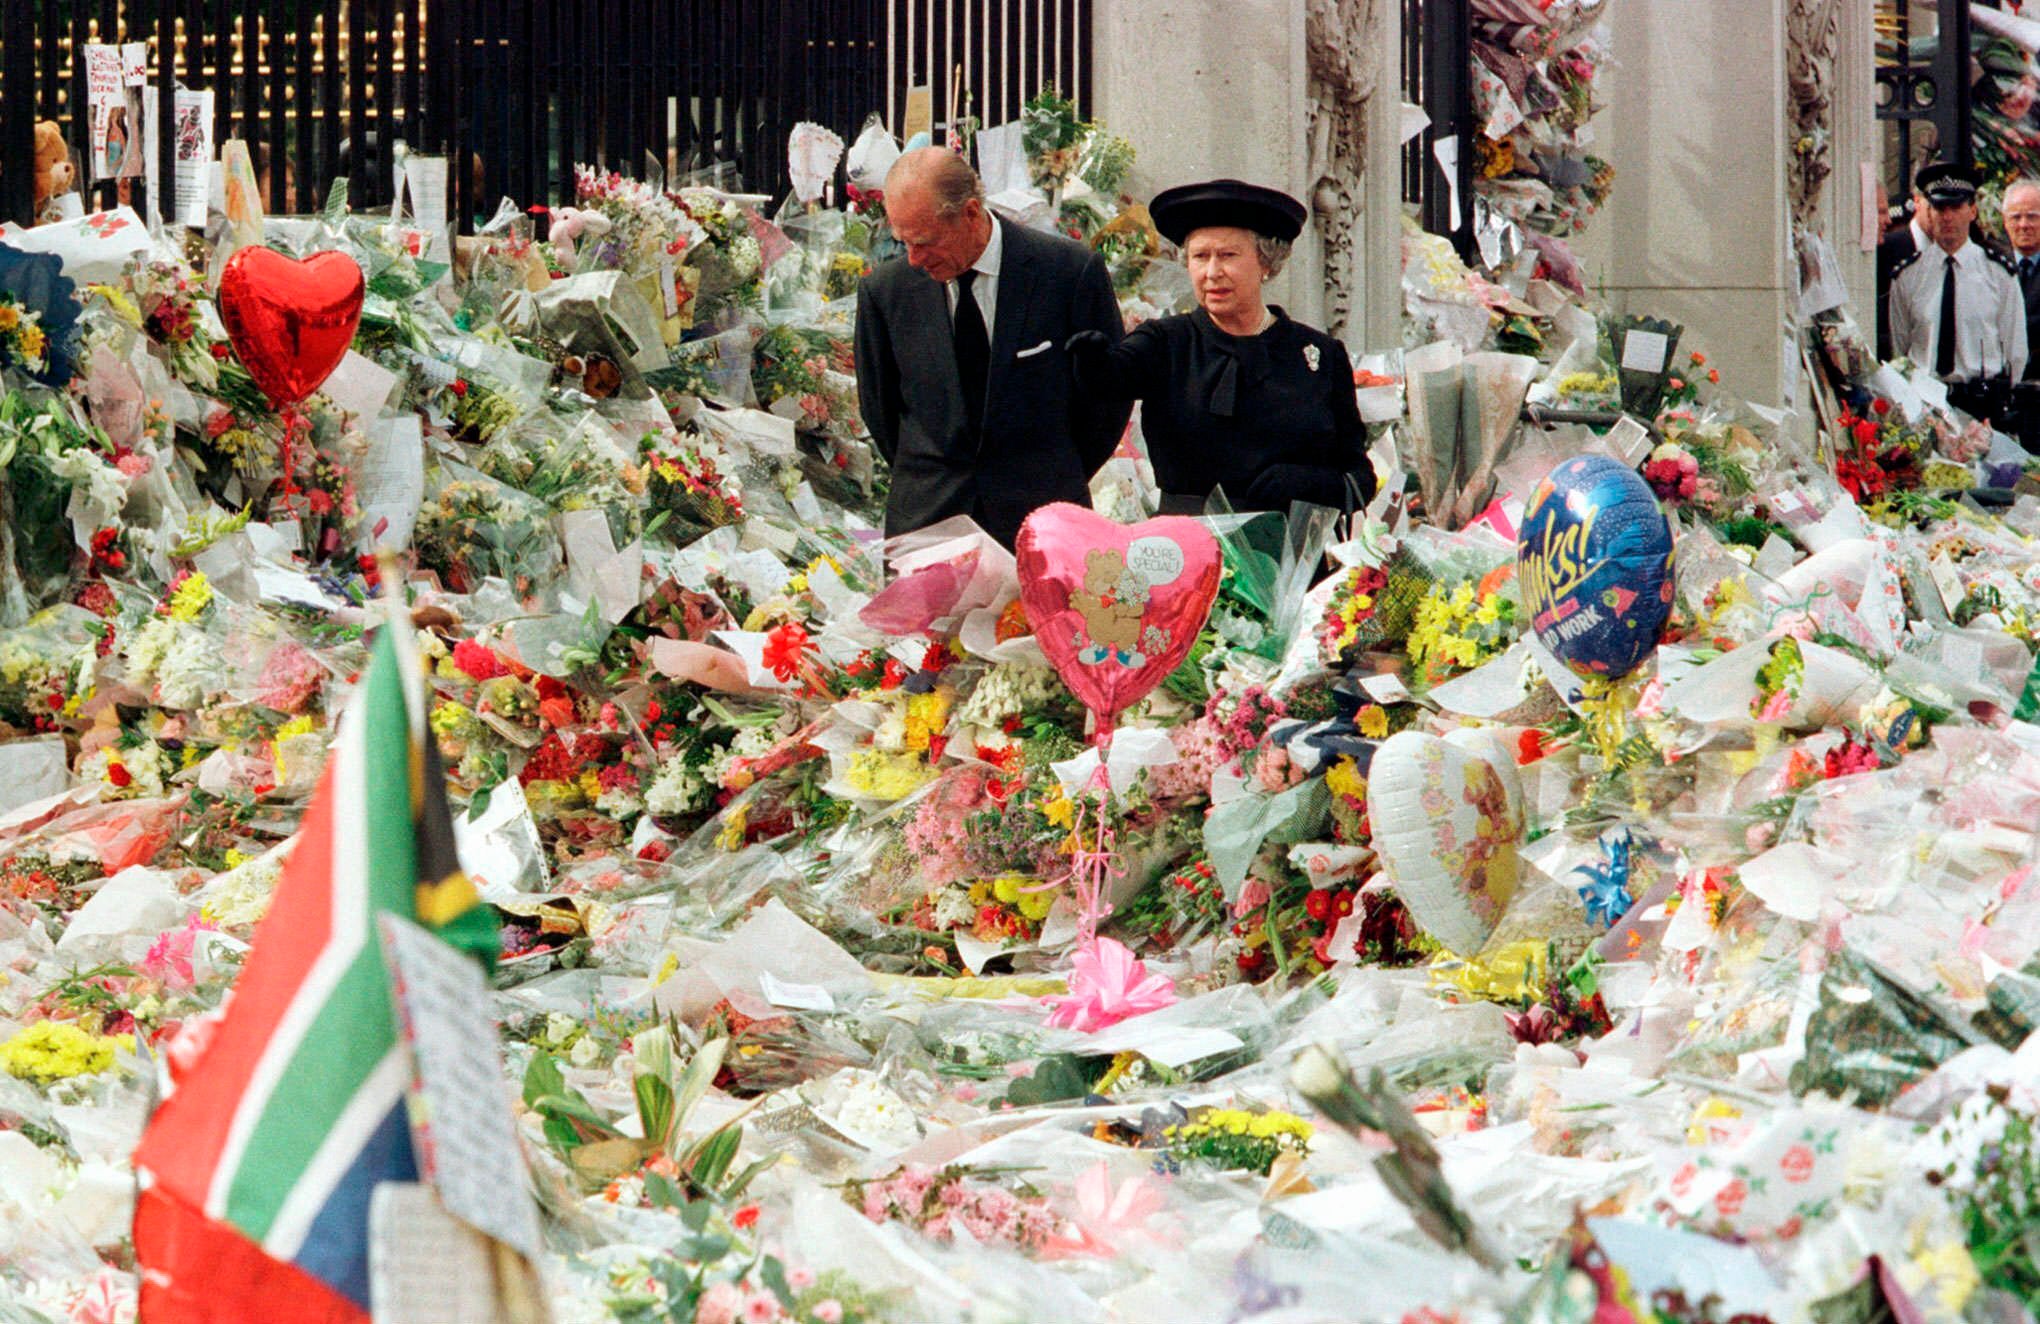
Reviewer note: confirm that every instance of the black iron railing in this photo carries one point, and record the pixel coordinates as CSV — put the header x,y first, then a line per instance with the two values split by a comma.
x,y
1437,74
1923,88
517,92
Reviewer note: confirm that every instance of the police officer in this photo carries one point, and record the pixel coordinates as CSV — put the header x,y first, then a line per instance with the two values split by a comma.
x,y
1956,306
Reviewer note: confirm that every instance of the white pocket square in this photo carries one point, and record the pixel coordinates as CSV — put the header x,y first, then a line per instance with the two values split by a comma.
x,y
1030,353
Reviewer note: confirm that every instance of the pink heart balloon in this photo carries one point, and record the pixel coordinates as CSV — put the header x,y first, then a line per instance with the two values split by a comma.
x,y
1115,607
290,321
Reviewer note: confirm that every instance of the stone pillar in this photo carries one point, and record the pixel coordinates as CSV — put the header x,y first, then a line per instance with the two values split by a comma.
x,y
1857,143
1207,91
1696,228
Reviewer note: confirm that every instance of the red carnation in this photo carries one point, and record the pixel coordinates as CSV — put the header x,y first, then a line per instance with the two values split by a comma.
x,y
786,647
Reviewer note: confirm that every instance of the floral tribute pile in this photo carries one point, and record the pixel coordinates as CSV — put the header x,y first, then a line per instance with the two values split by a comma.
x,y
1697,994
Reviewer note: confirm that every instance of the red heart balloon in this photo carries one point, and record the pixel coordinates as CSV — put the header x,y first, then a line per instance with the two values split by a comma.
x,y
291,322
1115,607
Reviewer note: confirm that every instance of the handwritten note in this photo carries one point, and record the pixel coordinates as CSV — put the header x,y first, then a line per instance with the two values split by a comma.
x,y
391,482
425,1265
461,1125
1644,351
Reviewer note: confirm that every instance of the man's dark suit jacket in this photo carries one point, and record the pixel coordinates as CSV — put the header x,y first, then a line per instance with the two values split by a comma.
x,y
2030,287
1039,441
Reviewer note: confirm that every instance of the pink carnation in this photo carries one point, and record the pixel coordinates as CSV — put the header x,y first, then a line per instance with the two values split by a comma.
x,y
169,957
290,677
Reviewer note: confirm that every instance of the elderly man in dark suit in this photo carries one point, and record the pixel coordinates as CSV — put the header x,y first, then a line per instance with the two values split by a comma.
x,y
961,369
2022,227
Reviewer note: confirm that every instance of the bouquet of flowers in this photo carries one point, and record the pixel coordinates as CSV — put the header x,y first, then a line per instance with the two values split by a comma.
x,y
1459,627
477,528
22,343
728,256
938,1202
689,488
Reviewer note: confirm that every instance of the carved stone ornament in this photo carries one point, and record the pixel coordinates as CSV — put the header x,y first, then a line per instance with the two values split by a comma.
x,y
1812,42
1342,40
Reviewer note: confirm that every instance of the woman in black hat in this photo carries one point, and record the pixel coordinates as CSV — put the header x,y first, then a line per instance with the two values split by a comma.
x,y
1235,395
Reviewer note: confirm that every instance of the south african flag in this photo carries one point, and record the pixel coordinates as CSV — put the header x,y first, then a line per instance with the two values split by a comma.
x,y
258,1166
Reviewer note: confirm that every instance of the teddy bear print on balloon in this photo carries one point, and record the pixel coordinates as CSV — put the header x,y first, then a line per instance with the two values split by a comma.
x,y
1111,604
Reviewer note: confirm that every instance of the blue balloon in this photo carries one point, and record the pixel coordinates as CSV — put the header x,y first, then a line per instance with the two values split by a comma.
x,y
1594,561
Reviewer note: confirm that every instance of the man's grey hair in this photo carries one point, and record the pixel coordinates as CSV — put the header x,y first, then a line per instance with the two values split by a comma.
x,y
2028,185
948,178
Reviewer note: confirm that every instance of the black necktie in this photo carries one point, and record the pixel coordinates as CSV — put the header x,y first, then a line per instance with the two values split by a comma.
x,y
2026,268
1944,349
973,351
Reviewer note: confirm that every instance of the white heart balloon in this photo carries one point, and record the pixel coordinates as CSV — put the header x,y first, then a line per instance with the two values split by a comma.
x,y
1446,826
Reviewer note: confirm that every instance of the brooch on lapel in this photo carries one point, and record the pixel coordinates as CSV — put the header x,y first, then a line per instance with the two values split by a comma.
x,y
1310,356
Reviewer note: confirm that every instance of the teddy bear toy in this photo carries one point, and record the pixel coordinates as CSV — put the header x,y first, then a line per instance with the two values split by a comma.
x,y
54,174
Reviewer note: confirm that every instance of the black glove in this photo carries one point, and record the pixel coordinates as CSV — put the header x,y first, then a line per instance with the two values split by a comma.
x,y
1090,355
1275,487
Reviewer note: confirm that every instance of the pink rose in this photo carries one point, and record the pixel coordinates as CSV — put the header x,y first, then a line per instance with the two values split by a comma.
x,y
1797,1163
719,1304
829,1311
1728,1201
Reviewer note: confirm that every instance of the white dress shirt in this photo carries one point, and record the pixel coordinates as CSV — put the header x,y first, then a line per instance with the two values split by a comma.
x,y
986,287
1990,313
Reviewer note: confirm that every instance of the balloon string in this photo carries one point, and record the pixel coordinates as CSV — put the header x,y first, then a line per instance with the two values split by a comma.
x,y
295,424
1093,865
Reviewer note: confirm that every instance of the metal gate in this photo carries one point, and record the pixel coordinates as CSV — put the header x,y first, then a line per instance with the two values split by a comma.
x,y
1437,74
517,92
1923,88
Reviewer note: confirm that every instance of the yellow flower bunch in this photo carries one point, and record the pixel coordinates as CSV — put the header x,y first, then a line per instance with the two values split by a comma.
x,y
1234,1138
452,721
927,717
191,597
731,838
302,725
878,775
1343,780
1022,893
1587,383
1278,1126
49,1051
1514,972
1457,629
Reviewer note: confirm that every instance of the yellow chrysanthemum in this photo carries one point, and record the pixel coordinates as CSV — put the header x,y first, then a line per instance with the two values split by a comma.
x,y
50,1051
192,597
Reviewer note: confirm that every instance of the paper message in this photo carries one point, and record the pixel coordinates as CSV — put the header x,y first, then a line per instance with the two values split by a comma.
x,y
391,482
920,116
360,385
424,1265
461,1124
801,997
1629,439
1385,688
115,81
193,153
30,770
1002,160
1644,351
426,177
